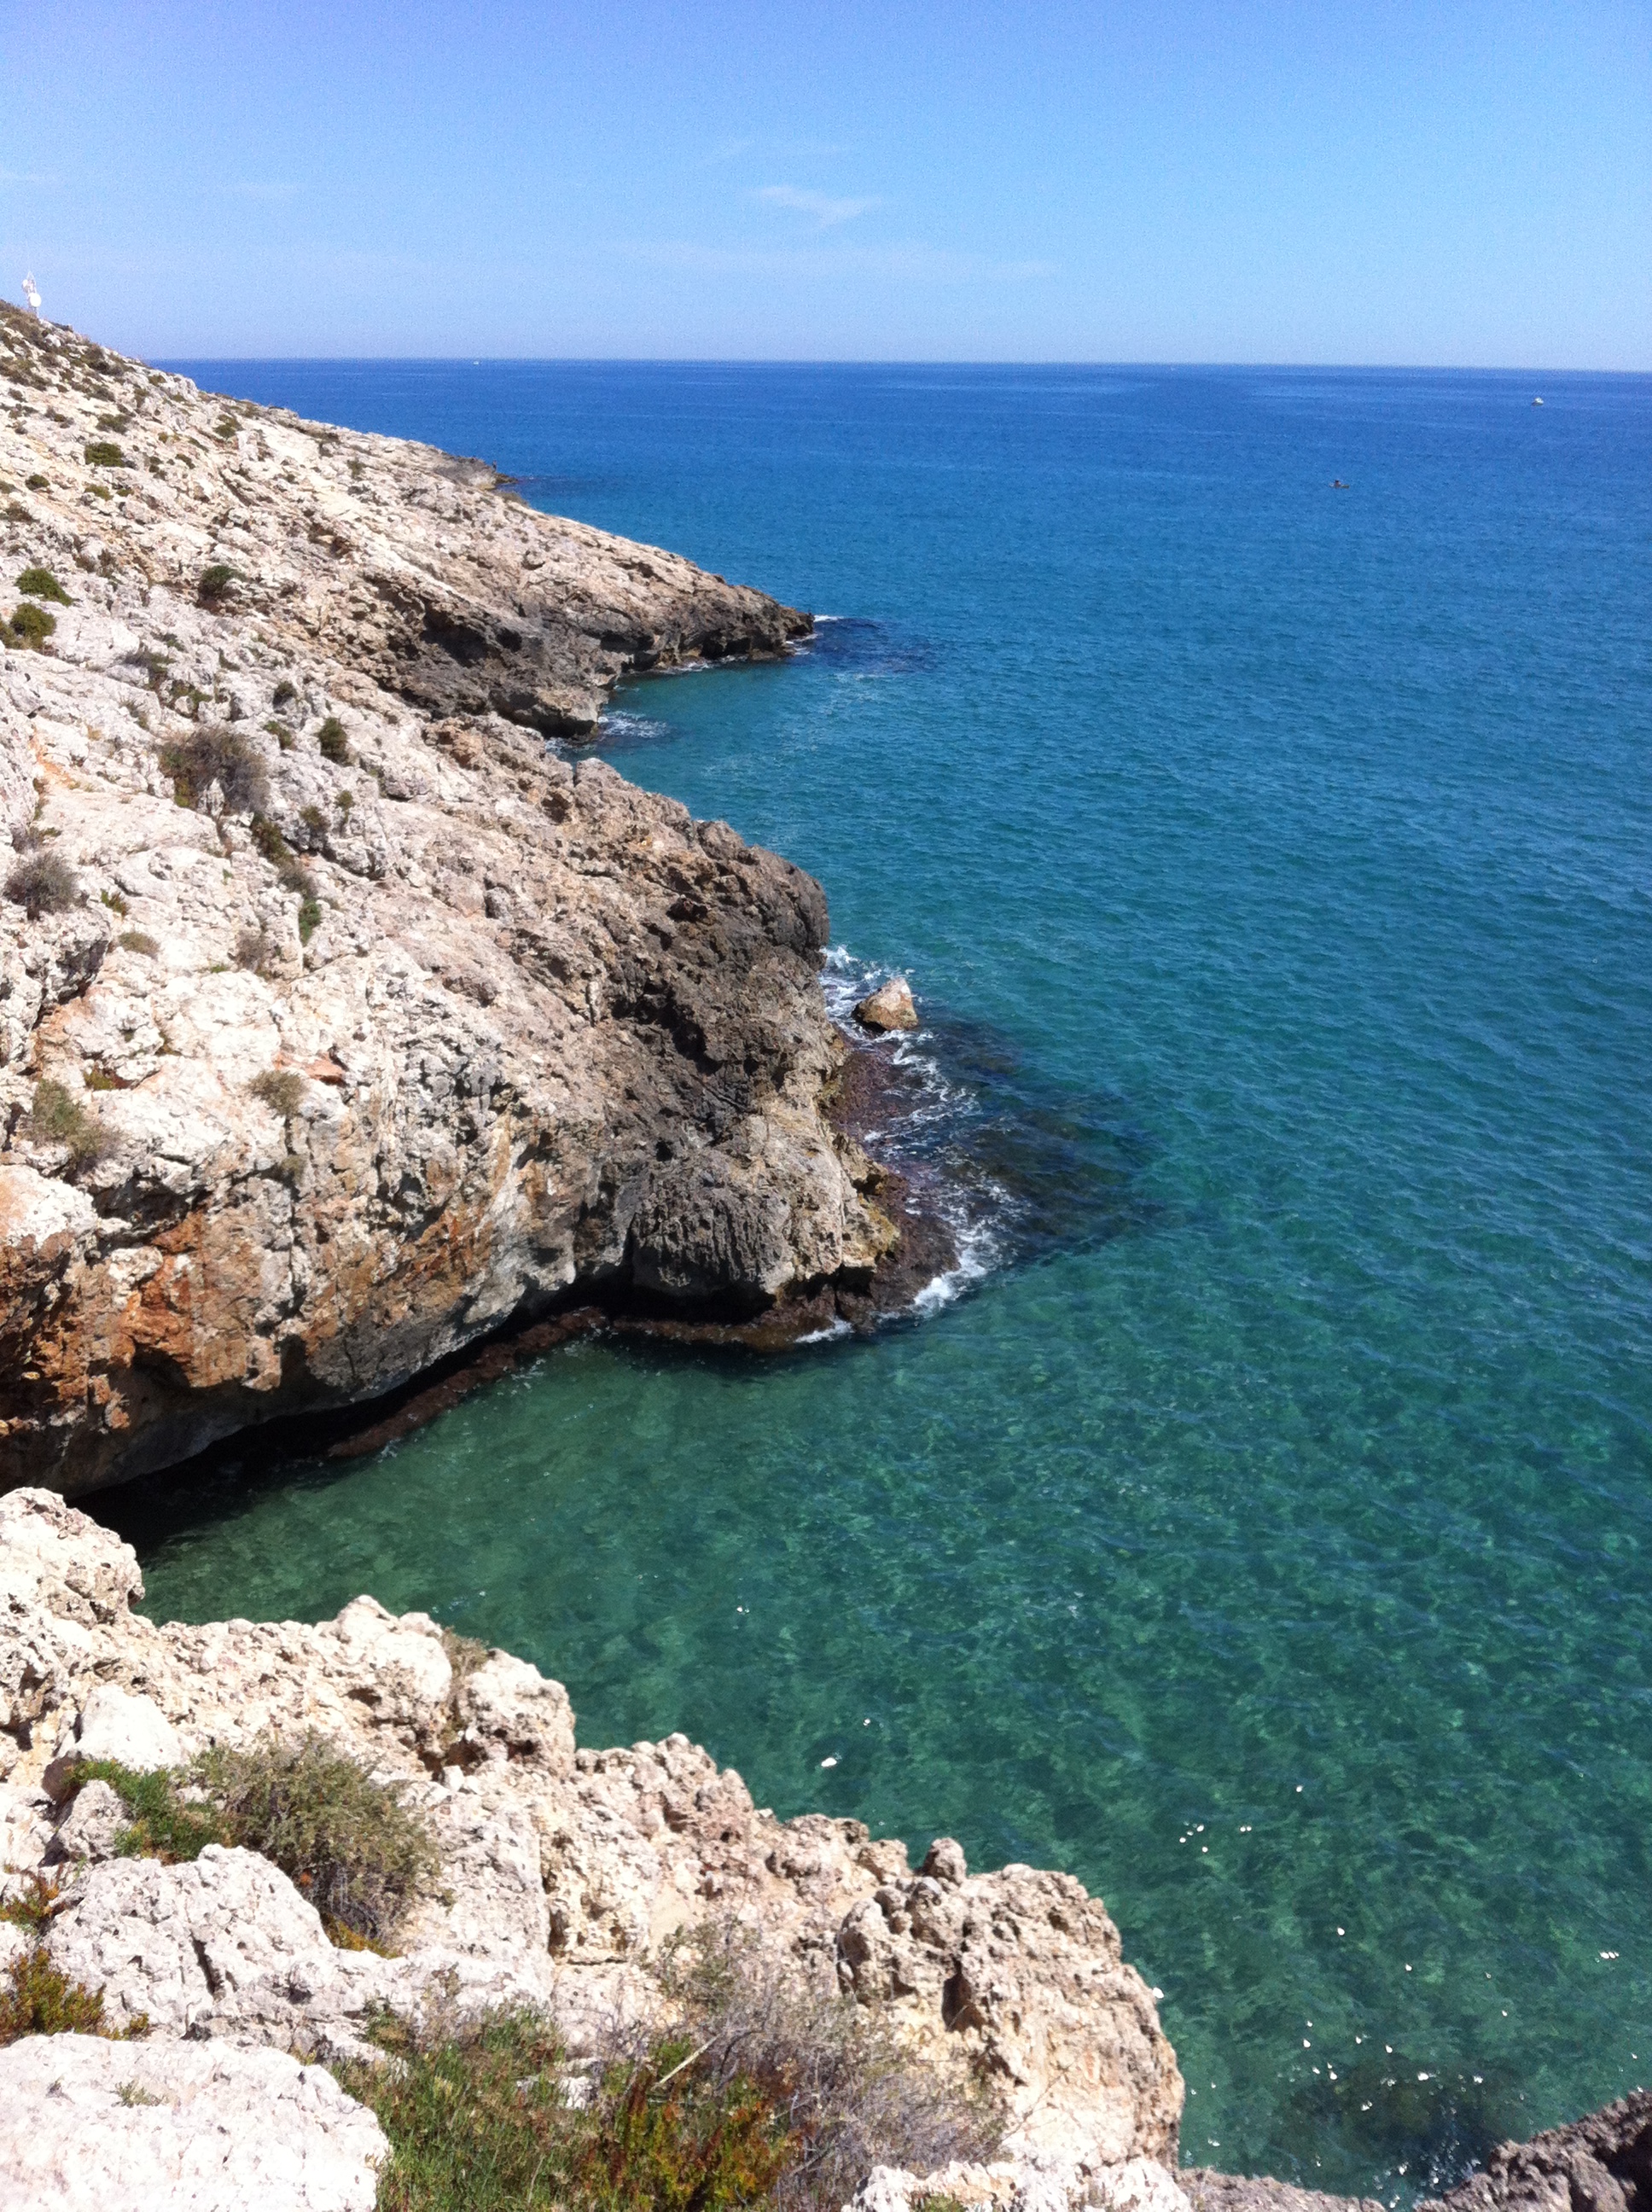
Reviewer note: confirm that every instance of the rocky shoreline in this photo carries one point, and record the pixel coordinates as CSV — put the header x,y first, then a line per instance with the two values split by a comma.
x,y
565,1873
344,1024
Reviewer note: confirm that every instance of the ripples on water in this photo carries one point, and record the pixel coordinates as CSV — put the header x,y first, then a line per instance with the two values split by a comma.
x,y
1265,1535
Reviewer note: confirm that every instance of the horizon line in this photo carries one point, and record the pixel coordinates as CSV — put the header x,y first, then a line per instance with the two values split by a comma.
x,y
865,361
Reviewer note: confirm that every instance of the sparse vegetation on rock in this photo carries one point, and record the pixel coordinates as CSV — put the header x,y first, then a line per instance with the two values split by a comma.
x,y
215,753
40,584
280,1089
29,628
350,1840
57,1117
42,881
35,1999
335,746
104,453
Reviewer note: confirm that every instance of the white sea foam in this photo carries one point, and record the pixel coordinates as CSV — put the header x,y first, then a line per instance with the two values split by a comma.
x,y
933,1110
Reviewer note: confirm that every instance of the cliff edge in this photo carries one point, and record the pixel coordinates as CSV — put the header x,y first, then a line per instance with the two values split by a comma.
x,y
341,1019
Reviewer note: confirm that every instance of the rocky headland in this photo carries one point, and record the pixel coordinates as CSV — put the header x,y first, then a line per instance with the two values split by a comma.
x,y
342,1020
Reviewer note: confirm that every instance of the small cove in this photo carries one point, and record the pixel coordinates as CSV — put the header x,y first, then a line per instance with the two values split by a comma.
x,y
1264,1536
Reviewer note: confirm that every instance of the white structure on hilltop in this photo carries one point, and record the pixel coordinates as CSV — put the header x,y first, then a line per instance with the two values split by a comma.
x,y
31,295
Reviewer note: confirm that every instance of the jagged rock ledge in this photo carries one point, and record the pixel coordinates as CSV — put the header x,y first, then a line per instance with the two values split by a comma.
x,y
375,1025
564,1869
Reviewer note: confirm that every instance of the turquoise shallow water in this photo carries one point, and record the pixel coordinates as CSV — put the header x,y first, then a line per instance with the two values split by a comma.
x,y
1265,1536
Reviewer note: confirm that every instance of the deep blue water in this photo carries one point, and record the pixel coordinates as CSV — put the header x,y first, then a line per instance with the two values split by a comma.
x,y
1264,1537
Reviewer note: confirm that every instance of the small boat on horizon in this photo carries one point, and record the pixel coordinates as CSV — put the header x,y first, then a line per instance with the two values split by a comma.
x,y
1537,403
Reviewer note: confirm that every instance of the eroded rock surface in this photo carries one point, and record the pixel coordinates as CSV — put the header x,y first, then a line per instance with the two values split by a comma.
x,y
565,1868
1600,2164
87,2125
402,1026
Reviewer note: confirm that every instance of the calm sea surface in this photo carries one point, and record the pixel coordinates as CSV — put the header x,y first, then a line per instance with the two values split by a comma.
x,y
1264,1532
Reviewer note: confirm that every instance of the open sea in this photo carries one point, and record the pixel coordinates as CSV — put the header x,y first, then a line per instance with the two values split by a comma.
x,y
1260,1524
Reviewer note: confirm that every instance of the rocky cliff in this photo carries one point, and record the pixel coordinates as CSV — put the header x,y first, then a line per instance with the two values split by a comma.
x,y
341,1019
564,1869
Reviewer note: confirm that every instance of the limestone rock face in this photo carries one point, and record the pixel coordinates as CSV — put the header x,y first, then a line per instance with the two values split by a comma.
x,y
565,1868
1600,2164
386,1024
1030,2184
87,2125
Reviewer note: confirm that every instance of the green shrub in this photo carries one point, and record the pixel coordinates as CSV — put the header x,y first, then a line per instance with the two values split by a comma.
x,y
355,1849
138,940
477,2121
335,746
30,627
162,1827
344,805
285,691
42,881
38,483
104,453
35,1999
314,820
281,1089
57,1117
309,917
114,901
279,730
217,754
34,1908
41,584
215,582
269,840
224,428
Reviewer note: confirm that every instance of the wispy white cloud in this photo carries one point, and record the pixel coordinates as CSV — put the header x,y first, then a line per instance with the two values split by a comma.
x,y
267,193
912,263
827,211
23,177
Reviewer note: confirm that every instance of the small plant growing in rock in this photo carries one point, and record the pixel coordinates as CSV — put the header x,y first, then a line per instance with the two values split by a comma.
x,y
114,901
57,1117
30,627
284,693
217,754
34,1908
216,584
138,940
309,917
314,820
38,483
42,882
345,803
352,1845
281,1089
335,746
278,729
254,949
35,1999
104,453
41,584
162,1826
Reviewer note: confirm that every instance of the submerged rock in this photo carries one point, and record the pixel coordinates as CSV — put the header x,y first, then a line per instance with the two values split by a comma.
x,y
359,1022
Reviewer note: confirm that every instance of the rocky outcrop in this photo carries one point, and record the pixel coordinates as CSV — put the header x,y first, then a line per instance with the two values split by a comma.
x,y
87,2125
889,1007
366,1023
565,1869
1601,2164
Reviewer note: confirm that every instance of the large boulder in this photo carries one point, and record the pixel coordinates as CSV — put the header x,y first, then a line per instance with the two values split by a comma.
x,y
89,2125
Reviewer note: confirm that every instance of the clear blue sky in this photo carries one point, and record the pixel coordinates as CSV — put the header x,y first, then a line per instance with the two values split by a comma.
x,y
1425,181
